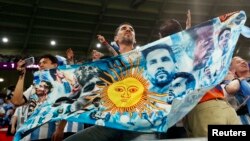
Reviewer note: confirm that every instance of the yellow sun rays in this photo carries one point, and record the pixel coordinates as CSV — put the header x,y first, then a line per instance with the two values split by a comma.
x,y
128,91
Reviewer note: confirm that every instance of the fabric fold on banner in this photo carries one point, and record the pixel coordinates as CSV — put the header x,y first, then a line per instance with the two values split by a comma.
x,y
245,31
148,89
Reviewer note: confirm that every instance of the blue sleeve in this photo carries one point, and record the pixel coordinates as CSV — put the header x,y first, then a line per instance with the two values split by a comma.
x,y
245,88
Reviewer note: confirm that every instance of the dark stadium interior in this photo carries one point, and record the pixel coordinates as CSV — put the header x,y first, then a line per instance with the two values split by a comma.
x,y
31,24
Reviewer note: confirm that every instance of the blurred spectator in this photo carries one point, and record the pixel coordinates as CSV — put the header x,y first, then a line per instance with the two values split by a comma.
x,y
239,87
16,58
8,111
70,56
96,55
2,111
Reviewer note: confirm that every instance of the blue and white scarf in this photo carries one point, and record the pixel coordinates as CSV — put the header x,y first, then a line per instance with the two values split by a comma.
x,y
147,89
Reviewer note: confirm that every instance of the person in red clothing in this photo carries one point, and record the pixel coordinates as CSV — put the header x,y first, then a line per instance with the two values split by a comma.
x,y
215,93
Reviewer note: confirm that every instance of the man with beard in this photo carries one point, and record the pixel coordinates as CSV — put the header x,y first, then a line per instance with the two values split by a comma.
x,y
125,38
223,38
23,112
203,50
223,47
182,83
160,66
204,45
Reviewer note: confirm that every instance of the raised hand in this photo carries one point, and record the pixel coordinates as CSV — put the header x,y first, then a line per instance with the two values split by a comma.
x,y
188,21
21,67
101,39
69,54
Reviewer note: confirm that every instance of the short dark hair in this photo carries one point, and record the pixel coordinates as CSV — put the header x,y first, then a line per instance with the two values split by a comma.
x,y
52,58
11,88
193,31
190,83
124,23
159,46
227,28
169,27
49,85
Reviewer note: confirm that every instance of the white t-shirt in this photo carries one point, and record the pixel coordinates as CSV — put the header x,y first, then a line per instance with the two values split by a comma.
x,y
28,93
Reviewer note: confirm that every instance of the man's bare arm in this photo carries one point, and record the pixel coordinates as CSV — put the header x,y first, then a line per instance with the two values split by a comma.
x,y
105,43
17,98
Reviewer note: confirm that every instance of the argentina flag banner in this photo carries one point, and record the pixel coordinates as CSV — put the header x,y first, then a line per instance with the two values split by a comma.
x,y
147,89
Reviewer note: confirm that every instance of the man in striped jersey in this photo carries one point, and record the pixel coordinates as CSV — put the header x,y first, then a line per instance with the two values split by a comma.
x,y
21,97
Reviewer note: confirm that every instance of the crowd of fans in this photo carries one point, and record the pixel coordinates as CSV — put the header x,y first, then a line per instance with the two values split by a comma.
x,y
15,58
234,90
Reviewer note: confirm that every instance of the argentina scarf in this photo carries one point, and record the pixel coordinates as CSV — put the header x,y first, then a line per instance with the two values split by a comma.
x,y
147,89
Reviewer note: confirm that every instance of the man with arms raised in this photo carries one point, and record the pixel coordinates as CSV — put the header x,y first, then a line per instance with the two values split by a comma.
x,y
125,38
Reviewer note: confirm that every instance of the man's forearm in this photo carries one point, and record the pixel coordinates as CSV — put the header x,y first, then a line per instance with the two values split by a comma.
x,y
233,86
17,98
13,121
61,125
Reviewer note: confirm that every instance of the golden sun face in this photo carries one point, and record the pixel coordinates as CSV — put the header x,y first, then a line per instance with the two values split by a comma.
x,y
126,93
129,92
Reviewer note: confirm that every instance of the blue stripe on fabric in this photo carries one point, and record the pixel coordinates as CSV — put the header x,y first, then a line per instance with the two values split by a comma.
x,y
35,134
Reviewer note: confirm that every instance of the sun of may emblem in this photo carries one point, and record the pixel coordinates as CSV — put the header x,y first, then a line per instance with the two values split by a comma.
x,y
129,91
